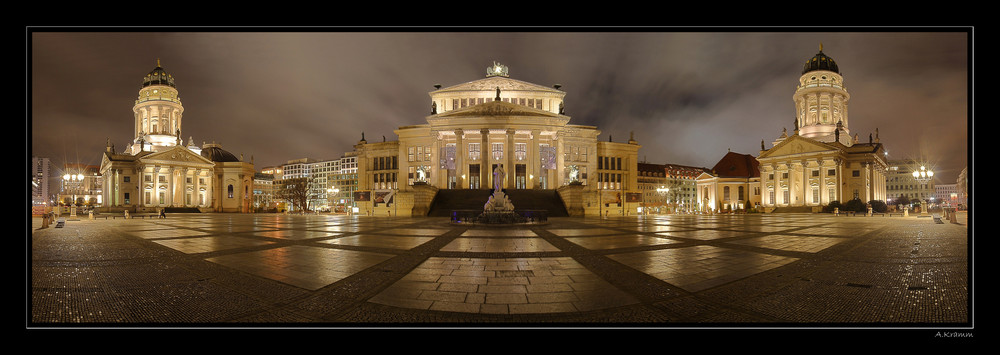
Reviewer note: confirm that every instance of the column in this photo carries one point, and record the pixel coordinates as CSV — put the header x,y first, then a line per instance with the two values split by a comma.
x,y
171,186
155,195
196,187
484,160
534,163
822,182
560,172
509,158
838,165
806,198
460,169
438,179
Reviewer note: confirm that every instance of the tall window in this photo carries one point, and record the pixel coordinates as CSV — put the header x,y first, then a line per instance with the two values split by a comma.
x,y
497,151
725,193
520,151
474,151
230,190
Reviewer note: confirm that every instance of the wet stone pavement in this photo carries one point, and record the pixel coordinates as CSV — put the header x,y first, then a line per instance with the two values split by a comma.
x,y
662,271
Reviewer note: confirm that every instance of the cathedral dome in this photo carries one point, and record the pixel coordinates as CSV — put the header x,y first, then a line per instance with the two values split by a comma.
x,y
820,61
215,153
158,77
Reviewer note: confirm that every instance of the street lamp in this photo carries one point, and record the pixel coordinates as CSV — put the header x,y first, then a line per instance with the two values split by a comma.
x,y
923,176
72,182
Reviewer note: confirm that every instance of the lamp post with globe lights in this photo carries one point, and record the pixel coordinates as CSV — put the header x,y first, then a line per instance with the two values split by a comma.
x,y
923,176
72,183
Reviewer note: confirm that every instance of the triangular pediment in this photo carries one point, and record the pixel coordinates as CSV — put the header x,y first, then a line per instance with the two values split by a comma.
x,y
503,83
704,175
497,109
798,145
177,155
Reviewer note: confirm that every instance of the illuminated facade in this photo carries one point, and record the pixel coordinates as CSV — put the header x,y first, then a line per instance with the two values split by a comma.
x,y
901,185
733,184
40,174
819,162
157,171
80,185
497,121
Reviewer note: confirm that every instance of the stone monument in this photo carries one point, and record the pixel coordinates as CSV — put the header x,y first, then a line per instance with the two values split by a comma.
x,y
498,209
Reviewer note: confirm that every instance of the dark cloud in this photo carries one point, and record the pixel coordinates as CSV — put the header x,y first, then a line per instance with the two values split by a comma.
x,y
688,97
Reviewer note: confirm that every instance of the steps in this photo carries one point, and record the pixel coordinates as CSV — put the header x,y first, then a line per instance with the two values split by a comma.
x,y
181,210
448,200
794,209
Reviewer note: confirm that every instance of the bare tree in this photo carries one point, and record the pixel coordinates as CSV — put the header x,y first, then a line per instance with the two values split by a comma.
x,y
295,191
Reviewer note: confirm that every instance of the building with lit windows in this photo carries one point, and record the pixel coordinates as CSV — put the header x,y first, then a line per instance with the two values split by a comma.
x,y
903,188
946,194
733,184
158,172
497,124
331,182
80,185
652,183
962,186
41,170
819,161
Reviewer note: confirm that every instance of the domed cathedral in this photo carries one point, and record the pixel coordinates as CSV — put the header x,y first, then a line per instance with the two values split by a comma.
x,y
498,131
819,161
156,171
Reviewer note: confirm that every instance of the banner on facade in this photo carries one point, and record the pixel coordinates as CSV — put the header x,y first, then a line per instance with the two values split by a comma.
x,y
362,196
384,196
611,197
547,156
633,197
447,155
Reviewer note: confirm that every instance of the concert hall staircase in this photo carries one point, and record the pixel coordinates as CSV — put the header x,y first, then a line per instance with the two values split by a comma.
x,y
448,200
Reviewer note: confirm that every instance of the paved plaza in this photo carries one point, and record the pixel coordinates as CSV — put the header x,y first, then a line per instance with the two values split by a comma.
x,y
659,271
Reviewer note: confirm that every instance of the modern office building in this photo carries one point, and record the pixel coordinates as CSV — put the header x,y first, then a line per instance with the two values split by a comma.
x,y
40,174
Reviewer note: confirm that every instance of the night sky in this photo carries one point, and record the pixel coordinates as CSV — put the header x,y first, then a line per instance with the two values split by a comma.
x,y
689,97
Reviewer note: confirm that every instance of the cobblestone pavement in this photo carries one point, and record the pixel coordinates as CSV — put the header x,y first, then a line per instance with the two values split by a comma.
x,y
665,271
